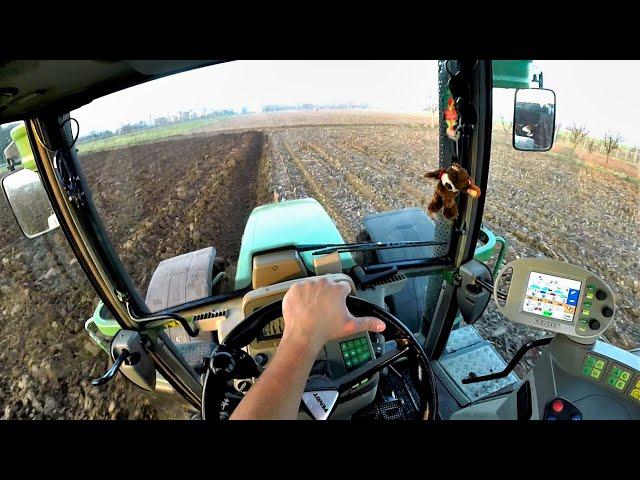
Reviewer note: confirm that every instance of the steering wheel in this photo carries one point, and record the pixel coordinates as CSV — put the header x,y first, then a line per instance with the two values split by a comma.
x,y
228,362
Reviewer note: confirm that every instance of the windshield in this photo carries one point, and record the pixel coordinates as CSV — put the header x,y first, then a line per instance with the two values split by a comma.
x,y
579,202
176,166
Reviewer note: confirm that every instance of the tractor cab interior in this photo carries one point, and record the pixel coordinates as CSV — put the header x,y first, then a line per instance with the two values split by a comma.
x,y
203,322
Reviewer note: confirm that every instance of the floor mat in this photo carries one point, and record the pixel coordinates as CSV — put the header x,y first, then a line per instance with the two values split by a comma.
x,y
466,352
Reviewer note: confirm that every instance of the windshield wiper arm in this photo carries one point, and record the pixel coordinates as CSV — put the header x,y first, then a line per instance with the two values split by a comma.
x,y
323,249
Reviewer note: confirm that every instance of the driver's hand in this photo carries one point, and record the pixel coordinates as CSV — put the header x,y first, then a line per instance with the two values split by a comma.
x,y
315,311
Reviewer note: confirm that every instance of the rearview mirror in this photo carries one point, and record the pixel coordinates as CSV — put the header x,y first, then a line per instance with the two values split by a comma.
x,y
534,119
29,202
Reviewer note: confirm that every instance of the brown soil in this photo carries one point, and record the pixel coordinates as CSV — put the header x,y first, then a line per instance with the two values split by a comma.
x,y
166,198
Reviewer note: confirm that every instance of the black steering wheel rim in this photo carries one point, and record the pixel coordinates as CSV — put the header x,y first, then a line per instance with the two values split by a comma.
x,y
245,332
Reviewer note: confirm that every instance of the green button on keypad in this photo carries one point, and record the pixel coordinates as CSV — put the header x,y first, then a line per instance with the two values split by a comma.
x,y
355,352
625,376
616,372
593,367
620,385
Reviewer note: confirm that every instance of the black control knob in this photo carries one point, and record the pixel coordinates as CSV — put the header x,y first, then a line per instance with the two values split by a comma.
x,y
261,359
601,294
607,311
594,324
222,363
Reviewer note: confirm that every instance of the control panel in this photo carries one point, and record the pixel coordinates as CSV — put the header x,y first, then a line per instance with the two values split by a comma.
x,y
613,375
557,297
356,352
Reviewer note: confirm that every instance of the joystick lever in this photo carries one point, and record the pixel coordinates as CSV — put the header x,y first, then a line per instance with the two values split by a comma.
x,y
472,378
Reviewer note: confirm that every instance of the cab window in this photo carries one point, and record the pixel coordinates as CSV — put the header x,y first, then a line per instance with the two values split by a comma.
x,y
177,165
579,202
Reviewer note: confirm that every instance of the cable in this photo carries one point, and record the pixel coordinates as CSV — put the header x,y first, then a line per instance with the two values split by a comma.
x,y
51,150
77,131
489,287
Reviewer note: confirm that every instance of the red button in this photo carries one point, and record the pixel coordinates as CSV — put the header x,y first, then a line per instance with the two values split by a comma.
x,y
557,406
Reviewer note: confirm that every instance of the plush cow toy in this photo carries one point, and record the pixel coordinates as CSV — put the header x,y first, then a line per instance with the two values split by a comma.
x,y
451,181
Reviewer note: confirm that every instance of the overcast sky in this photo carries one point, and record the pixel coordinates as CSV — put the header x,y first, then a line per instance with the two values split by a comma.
x,y
600,94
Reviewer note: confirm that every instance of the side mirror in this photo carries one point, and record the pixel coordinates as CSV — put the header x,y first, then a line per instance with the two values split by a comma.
x,y
29,202
534,119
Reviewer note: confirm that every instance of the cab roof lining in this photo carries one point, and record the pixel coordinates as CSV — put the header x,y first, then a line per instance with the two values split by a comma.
x,y
31,87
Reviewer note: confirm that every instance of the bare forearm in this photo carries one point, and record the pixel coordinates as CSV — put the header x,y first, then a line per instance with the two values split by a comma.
x,y
277,392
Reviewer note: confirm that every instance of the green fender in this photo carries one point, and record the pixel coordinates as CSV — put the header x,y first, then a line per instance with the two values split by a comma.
x,y
19,135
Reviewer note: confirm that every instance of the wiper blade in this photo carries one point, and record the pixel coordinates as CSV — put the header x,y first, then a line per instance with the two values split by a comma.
x,y
323,249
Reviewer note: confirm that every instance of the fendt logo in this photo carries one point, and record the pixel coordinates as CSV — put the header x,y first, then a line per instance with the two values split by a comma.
x,y
322,404
544,323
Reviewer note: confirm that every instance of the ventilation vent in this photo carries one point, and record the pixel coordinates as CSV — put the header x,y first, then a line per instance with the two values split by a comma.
x,y
211,314
396,278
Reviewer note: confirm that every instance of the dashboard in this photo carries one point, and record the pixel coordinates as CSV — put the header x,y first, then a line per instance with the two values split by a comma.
x,y
596,379
336,359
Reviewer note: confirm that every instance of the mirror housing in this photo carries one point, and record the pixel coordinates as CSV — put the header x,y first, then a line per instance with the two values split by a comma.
x,y
29,203
534,119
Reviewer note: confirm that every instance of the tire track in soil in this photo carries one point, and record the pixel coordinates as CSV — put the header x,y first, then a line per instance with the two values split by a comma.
x,y
289,182
354,180
409,189
320,190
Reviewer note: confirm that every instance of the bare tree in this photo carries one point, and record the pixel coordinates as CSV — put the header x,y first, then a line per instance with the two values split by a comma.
x,y
591,144
611,143
432,107
558,130
577,133
506,126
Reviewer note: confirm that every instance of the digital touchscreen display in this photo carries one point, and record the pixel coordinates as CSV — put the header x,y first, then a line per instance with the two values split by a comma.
x,y
551,296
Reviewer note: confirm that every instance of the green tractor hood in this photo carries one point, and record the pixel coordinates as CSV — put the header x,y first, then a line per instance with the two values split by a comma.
x,y
285,224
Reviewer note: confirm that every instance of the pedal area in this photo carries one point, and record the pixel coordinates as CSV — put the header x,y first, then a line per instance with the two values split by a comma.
x,y
467,352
